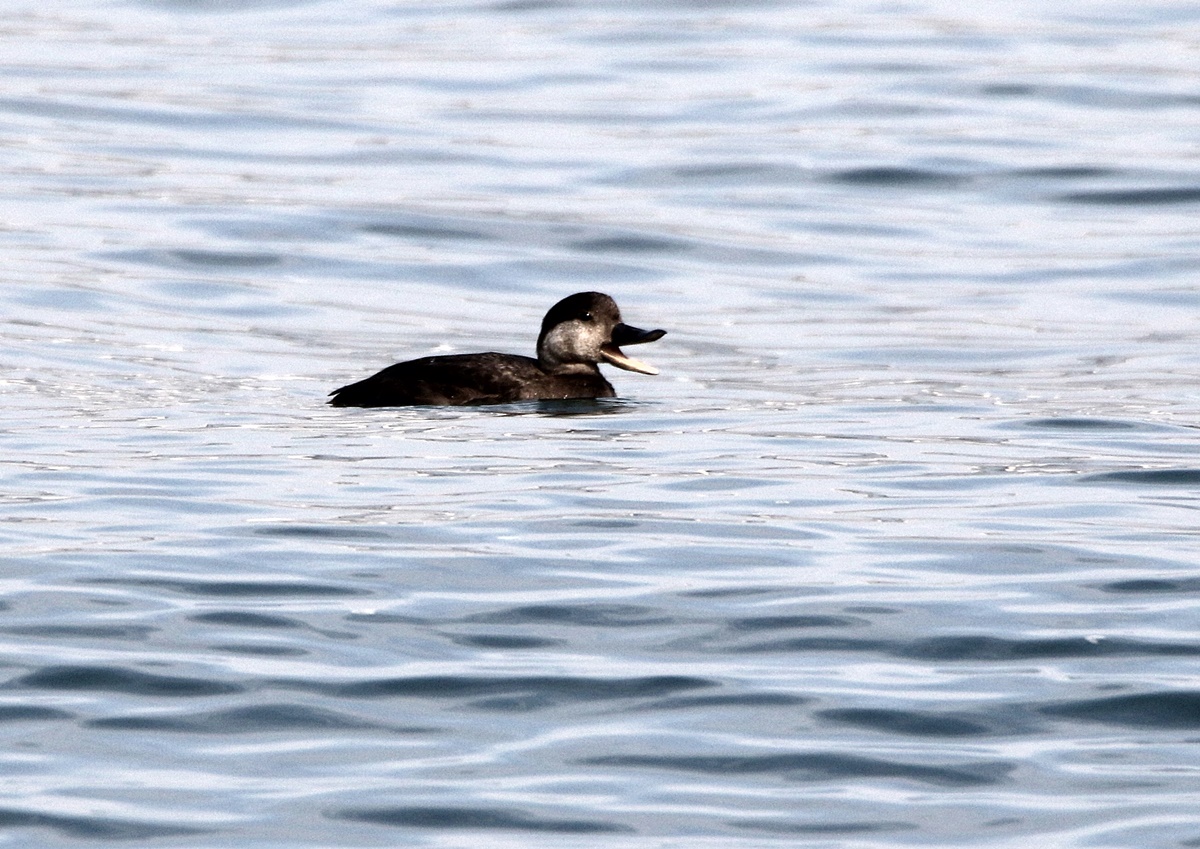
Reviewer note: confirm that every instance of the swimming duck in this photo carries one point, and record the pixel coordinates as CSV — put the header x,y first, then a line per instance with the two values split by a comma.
x,y
578,333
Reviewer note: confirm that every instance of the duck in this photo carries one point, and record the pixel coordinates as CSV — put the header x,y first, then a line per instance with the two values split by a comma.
x,y
578,334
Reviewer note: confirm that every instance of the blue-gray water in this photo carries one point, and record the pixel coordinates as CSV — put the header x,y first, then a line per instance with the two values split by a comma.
x,y
899,550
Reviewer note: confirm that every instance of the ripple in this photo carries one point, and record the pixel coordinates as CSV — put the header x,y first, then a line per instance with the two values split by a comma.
x,y
102,632
1067,172
244,619
632,244
908,722
1067,423
505,641
581,615
431,230
716,484
819,766
823,828
226,259
93,828
485,819
32,713
200,258
335,532
245,720
784,623
718,173
975,647
816,645
1103,97
896,177
119,680
1175,709
1156,477
751,700
1153,585
543,690
248,589
1135,197
260,650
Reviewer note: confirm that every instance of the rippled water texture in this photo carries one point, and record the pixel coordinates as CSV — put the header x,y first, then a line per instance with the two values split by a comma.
x,y
899,550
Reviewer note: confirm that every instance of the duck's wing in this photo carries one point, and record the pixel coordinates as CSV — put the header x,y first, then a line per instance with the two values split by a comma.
x,y
456,379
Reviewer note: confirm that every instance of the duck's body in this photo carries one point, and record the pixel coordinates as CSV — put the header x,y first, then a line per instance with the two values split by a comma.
x,y
489,378
577,334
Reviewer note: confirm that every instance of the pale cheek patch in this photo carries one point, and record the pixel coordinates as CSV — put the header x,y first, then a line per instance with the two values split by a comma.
x,y
569,343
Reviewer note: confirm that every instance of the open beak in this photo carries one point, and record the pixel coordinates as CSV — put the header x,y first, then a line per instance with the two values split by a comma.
x,y
623,334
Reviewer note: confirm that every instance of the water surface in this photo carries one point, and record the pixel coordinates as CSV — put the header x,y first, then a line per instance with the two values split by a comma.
x,y
899,550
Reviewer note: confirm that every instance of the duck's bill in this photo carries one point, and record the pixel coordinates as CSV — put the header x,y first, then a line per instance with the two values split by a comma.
x,y
613,354
623,334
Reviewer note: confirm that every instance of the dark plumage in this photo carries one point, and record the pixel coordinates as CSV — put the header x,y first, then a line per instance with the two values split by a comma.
x,y
578,333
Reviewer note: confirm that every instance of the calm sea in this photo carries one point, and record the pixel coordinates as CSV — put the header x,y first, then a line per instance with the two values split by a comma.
x,y
901,549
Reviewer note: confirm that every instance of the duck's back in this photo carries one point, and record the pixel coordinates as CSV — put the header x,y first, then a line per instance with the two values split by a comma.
x,y
458,379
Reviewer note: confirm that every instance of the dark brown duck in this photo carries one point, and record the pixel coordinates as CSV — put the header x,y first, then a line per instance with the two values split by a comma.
x,y
579,333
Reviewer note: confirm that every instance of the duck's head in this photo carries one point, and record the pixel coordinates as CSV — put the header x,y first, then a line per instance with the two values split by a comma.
x,y
585,329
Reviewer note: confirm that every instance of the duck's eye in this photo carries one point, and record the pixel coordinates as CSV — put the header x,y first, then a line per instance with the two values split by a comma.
x,y
587,316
